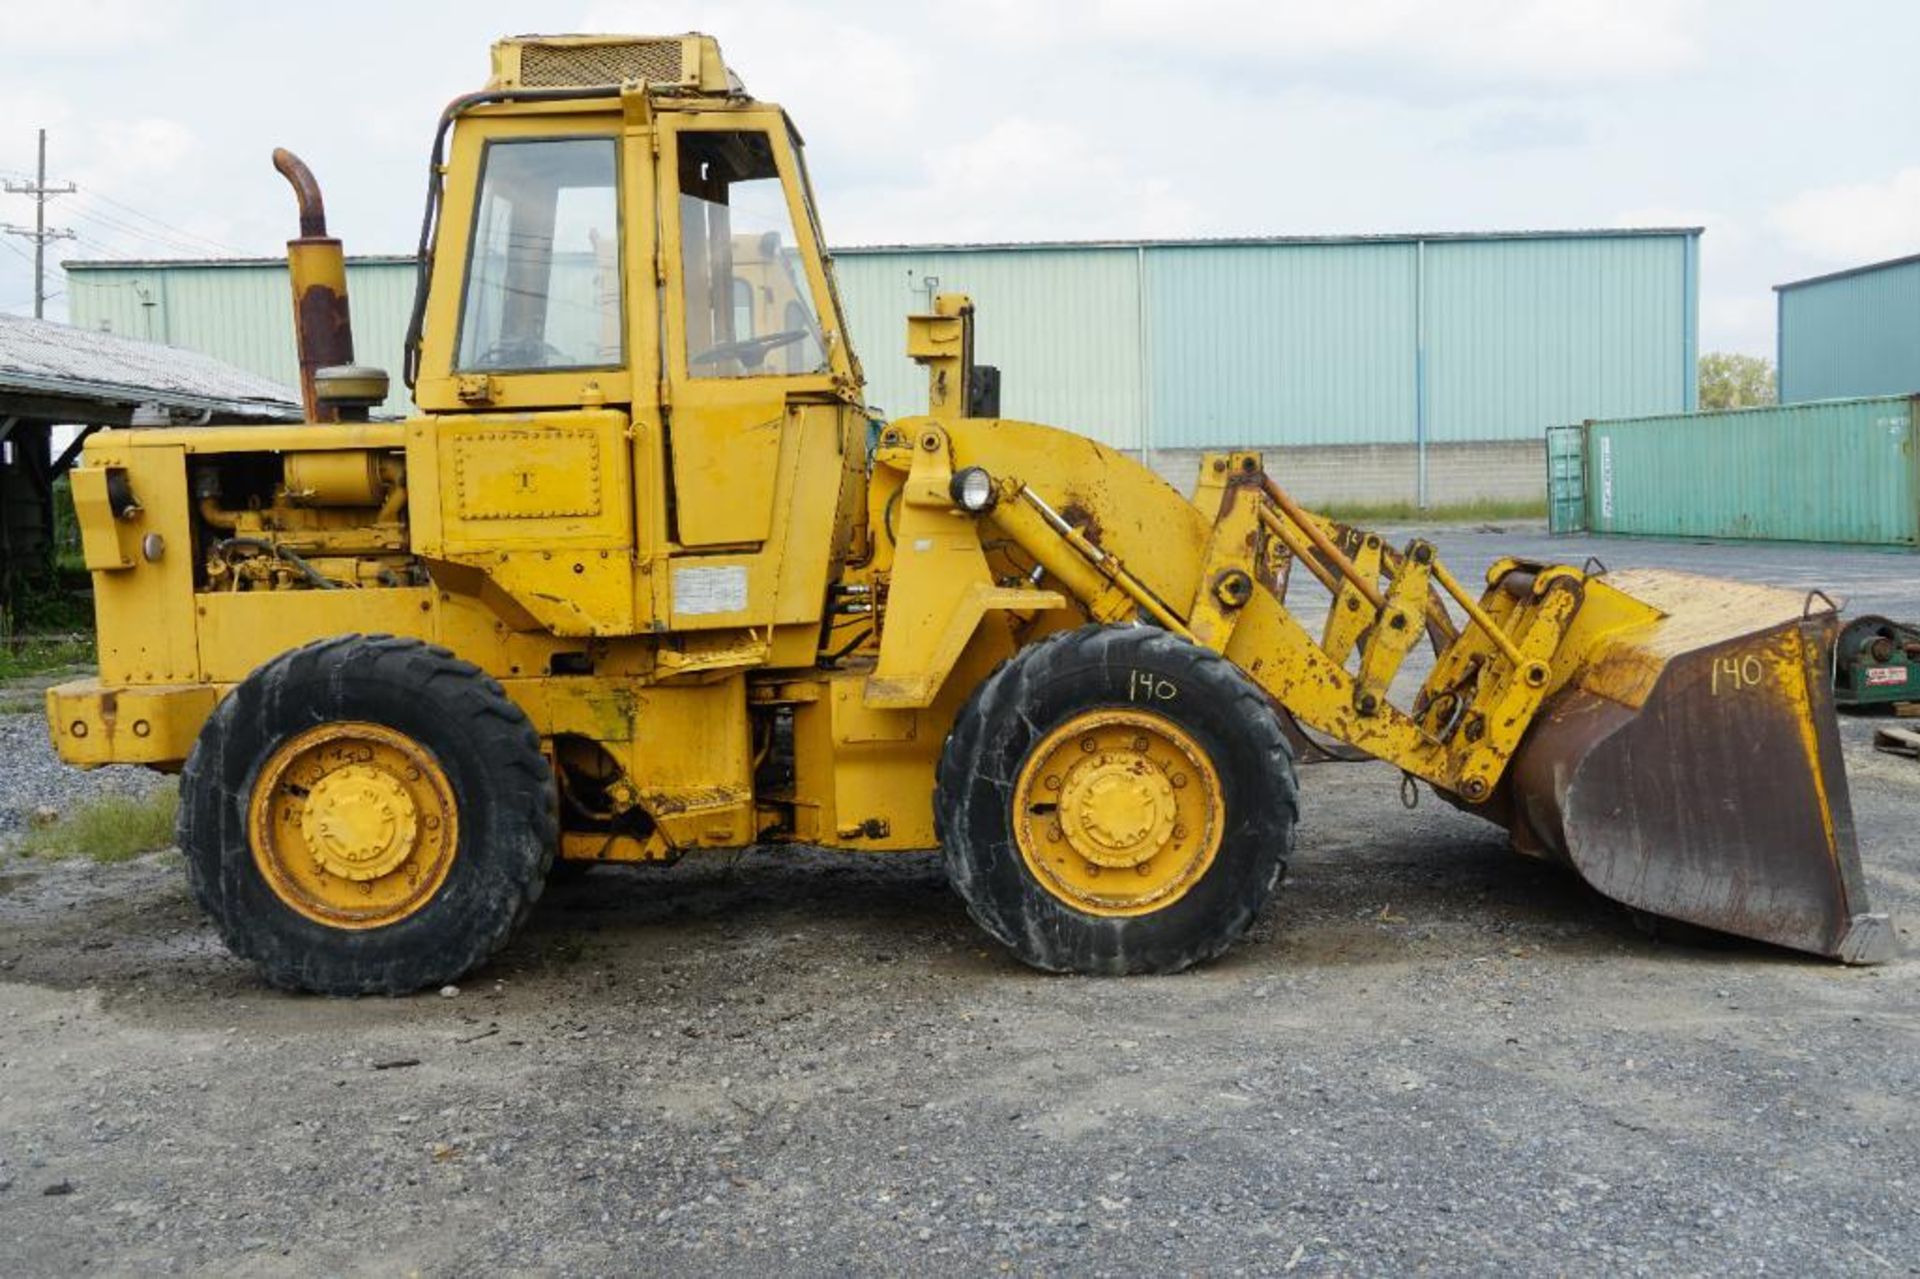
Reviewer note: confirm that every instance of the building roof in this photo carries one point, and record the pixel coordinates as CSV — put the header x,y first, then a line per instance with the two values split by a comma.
x,y
1909,260
981,246
123,264
81,376
1255,241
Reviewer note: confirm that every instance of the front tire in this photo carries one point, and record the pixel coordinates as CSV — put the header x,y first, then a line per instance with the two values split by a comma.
x,y
367,815
1116,800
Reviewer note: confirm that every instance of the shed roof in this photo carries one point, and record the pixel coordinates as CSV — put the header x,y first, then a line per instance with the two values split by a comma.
x,y
82,376
1259,241
983,246
1867,269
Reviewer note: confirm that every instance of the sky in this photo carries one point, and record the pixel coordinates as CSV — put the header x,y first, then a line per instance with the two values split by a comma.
x,y
1790,131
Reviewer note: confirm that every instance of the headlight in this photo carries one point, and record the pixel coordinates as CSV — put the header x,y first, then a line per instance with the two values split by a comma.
x,y
973,490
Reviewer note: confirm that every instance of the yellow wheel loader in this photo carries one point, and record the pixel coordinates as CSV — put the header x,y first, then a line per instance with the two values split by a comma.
x,y
643,577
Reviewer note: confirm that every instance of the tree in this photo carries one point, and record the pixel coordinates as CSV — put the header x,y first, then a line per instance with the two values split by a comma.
x,y
1731,381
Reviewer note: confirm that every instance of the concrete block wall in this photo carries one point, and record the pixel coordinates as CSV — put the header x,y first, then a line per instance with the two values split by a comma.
x,y
1503,470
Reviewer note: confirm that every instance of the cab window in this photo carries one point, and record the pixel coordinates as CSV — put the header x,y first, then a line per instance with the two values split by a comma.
x,y
749,310
543,267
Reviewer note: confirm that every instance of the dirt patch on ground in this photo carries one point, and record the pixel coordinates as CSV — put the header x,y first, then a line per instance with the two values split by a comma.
x,y
1430,1053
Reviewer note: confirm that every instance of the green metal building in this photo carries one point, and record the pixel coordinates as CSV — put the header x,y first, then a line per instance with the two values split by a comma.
x,y
1373,367
1851,333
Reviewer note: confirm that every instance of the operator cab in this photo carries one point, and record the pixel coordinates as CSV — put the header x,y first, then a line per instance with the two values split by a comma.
x,y
593,238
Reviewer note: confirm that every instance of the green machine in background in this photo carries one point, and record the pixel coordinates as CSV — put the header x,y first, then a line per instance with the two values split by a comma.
x,y
1876,662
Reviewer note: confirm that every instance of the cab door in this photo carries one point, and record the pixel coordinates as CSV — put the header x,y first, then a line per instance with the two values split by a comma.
x,y
745,296
539,465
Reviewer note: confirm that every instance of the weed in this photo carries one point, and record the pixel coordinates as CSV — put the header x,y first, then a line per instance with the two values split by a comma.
x,y
113,828
24,655
1480,508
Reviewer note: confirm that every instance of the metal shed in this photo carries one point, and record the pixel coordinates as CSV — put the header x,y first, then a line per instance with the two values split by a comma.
x,y
1850,333
1373,367
52,375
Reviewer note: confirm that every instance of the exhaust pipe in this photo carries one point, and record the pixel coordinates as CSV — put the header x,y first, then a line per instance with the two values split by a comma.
x,y
323,330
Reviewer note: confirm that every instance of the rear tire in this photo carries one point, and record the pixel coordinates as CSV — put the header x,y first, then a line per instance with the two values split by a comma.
x,y
367,815
1069,802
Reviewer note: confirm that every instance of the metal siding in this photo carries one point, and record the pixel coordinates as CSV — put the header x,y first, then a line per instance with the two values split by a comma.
x,y
1521,334
1281,344
1834,471
1855,335
1266,343
1060,324
243,313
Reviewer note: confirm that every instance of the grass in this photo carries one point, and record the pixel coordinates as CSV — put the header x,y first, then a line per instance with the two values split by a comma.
x,y
112,828
1479,509
24,655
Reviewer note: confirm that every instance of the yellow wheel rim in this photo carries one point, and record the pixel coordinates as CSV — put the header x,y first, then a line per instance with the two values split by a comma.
x,y
1118,812
353,825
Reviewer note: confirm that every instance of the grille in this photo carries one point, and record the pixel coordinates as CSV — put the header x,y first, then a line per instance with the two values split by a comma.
x,y
544,66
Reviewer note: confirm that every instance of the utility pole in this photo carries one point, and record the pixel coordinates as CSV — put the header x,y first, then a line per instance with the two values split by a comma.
x,y
41,193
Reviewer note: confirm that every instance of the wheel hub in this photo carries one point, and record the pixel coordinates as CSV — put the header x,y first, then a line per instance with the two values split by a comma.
x,y
353,824
1118,812
1117,809
359,823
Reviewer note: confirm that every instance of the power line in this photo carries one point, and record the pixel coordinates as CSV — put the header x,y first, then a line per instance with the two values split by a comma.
x,y
116,226
40,235
178,231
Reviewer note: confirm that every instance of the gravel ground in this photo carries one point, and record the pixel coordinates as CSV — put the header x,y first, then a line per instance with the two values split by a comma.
x,y
34,781
1430,1055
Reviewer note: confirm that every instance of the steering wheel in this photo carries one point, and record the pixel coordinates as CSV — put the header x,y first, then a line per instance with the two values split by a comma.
x,y
751,352
523,353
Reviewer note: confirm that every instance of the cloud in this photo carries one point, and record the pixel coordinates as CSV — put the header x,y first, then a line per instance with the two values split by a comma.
x,y
1019,179
26,109
1529,40
84,26
832,72
133,148
1523,128
1742,322
1855,222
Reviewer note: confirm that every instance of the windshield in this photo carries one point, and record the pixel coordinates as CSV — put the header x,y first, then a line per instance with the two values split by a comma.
x,y
749,310
543,269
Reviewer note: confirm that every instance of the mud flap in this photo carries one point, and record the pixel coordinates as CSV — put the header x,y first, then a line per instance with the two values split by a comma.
x,y
1714,795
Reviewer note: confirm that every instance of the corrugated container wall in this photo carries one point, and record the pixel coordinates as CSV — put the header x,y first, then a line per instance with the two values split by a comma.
x,y
1854,333
242,312
1832,471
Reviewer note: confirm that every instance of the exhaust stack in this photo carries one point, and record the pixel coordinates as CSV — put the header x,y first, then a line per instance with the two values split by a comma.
x,y
323,330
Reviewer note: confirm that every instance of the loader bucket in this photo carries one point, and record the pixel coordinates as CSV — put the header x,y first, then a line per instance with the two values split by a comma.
x,y
1691,769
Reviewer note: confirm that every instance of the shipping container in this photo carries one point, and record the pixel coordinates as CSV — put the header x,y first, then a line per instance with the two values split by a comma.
x,y
1837,471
